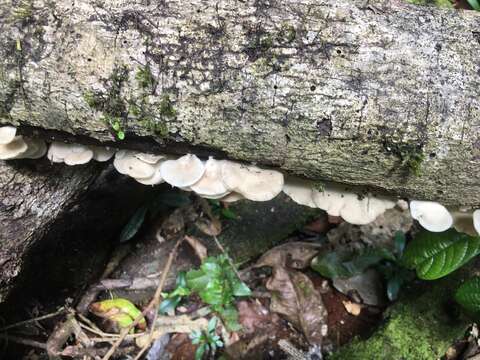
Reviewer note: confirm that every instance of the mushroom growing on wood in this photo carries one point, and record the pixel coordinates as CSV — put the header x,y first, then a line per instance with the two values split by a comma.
x,y
431,215
476,221
183,172
463,222
7,134
250,181
210,185
300,191
13,149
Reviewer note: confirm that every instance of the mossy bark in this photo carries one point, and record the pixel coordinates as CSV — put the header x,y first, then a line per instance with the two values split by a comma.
x,y
382,95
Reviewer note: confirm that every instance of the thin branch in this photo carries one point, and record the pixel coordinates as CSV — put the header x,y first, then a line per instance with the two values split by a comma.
x,y
29,321
154,303
23,341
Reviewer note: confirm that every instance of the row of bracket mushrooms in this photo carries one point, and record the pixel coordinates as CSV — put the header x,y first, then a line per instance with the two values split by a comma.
x,y
230,181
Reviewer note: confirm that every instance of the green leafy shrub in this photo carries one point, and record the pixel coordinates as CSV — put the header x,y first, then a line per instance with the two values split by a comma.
x,y
207,341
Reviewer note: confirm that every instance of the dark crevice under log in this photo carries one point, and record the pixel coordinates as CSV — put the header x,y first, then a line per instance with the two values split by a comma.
x,y
353,92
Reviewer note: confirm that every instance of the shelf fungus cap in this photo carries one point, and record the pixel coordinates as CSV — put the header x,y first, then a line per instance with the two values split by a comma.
x,y
183,172
300,191
58,151
250,181
7,134
331,199
13,149
155,179
476,221
126,163
210,184
36,148
363,211
101,153
431,215
149,158
78,155
232,197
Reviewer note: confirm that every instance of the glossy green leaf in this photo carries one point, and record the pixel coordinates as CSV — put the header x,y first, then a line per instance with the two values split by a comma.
x,y
348,263
434,255
134,224
474,4
200,351
468,295
169,305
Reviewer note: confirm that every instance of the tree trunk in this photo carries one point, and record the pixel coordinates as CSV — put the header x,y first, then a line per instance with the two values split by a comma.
x,y
56,223
383,95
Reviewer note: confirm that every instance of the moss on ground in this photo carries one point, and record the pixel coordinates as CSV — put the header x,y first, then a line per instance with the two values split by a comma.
x,y
421,326
439,3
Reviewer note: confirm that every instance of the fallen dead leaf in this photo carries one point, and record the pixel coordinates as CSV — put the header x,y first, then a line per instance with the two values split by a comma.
x,y
253,315
352,308
211,227
197,246
296,255
368,285
295,297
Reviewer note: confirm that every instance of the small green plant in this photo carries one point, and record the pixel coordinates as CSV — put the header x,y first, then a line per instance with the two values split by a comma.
x,y
207,341
349,263
219,210
435,255
474,4
216,283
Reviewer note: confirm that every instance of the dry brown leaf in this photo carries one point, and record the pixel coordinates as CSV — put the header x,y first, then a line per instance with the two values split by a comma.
x,y
173,324
295,297
296,255
252,315
352,308
198,247
211,227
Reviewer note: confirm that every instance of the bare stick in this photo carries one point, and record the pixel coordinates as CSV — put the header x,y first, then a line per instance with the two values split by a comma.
x,y
43,317
23,341
153,304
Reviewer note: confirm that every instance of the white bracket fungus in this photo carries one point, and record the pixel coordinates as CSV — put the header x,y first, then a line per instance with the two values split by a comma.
x,y
183,172
431,215
250,181
231,181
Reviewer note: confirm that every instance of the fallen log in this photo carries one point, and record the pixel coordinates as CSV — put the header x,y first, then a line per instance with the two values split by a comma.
x,y
381,95
56,223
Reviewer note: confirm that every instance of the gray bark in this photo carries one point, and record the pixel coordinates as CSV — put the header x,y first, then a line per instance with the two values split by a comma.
x,y
56,222
348,91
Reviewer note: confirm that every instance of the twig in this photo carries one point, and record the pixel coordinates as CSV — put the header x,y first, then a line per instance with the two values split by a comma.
x,y
27,342
157,296
153,304
228,257
43,317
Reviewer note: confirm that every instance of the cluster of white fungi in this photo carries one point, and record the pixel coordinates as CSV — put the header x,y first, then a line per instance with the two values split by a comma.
x,y
231,181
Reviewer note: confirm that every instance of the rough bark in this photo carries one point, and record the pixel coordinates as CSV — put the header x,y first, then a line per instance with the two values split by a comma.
x,y
350,91
53,218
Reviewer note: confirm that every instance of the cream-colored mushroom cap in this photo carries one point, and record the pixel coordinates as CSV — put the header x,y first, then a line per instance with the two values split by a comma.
x,y
126,163
363,211
250,181
463,222
232,197
300,191
149,158
78,155
183,172
58,151
36,148
331,199
476,220
431,215
210,184
7,134
102,153
13,149
156,178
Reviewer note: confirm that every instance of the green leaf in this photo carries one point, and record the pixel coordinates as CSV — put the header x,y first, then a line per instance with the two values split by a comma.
x,y
200,351
434,255
169,304
229,315
399,241
228,214
474,4
212,325
241,289
121,135
134,224
468,295
348,263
